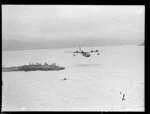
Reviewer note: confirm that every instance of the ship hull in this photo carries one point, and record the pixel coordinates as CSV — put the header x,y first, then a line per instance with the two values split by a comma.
x,y
32,68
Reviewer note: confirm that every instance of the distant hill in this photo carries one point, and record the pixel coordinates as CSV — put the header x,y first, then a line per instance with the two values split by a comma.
x,y
141,44
47,44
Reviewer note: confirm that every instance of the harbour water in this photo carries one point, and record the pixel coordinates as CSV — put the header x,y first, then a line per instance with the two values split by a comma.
x,y
93,84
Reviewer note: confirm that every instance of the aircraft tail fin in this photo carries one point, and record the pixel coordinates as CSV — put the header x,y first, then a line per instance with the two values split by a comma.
x,y
80,48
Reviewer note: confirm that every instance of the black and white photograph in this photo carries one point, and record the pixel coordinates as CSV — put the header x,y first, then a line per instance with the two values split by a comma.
x,y
73,57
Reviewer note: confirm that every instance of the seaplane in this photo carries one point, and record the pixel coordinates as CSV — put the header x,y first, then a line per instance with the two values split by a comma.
x,y
84,53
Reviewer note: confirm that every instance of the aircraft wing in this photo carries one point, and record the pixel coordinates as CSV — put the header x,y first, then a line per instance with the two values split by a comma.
x,y
74,52
92,51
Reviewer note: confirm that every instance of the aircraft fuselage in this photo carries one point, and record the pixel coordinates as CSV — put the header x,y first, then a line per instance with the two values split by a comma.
x,y
86,54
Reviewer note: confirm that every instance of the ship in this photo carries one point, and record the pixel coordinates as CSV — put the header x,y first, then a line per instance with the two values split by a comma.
x,y
34,67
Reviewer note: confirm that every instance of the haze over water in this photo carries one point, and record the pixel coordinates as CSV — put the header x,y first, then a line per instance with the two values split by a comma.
x,y
59,26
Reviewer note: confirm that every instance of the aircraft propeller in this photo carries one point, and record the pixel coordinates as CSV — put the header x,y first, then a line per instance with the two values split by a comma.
x,y
96,50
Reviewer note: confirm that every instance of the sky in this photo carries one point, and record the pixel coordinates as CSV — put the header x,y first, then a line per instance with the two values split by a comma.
x,y
69,22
